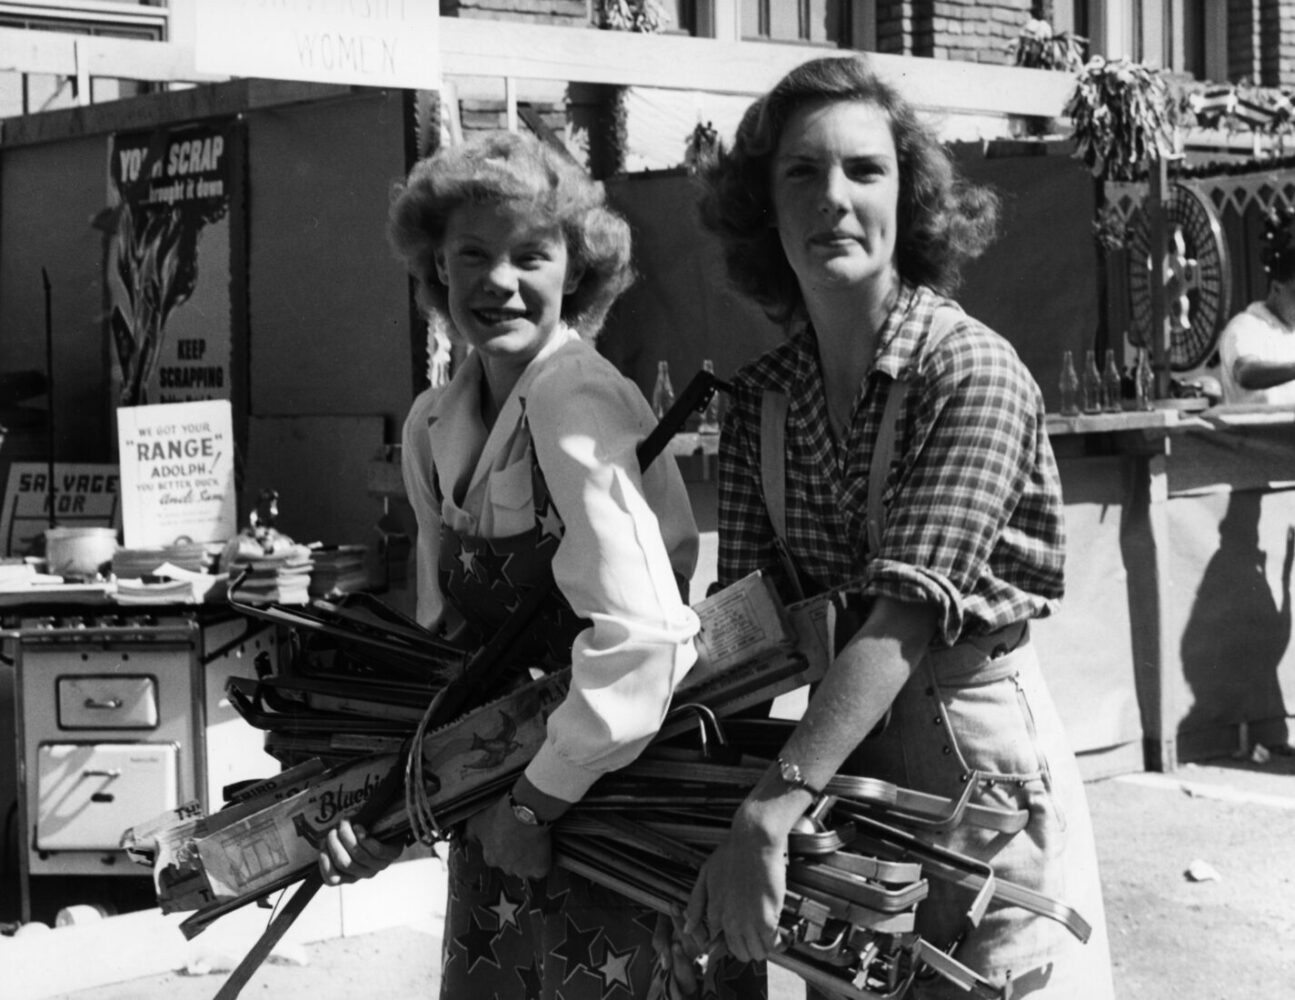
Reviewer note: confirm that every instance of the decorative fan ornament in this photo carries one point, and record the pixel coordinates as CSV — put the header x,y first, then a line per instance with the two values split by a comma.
x,y
1197,283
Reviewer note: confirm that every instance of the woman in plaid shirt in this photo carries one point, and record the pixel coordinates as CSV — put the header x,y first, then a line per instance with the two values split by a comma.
x,y
842,216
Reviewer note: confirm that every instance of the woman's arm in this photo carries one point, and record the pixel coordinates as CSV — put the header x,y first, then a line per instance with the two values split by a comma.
x,y
739,893
1260,373
614,568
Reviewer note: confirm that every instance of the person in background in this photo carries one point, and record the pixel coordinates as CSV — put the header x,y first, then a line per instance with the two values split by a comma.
x,y
839,213
526,466
1257,347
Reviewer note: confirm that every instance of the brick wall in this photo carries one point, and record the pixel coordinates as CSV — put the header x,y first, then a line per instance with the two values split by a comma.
x,y
478,114
573,13
1243,40
485,114
962,30
1279,56
1261,42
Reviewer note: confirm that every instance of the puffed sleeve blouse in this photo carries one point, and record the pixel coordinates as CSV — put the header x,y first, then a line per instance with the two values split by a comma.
x,y
626,536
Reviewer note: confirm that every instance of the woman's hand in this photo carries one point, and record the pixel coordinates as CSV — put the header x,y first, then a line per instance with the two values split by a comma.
x,y
739,891
510,845
350,854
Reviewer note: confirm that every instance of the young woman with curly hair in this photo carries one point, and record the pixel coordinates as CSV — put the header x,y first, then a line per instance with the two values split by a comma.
x,y
522,468
894,447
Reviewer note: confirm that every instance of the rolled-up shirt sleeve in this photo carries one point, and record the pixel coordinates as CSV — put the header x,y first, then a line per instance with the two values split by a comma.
x,y
952,532
626,536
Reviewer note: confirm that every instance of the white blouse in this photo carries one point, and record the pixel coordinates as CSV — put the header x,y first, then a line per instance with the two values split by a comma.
x,y
626,536
1256,333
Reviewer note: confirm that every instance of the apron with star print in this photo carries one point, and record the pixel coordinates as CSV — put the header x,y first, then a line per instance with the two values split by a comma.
x,y
560,937
485,579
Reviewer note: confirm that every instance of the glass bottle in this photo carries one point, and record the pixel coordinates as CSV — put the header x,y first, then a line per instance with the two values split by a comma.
x,y
663,391
1069,386
1112,392
1091,384
710,416
1144,381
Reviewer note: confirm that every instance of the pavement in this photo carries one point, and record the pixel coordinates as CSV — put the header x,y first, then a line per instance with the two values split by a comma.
x,y
1228,934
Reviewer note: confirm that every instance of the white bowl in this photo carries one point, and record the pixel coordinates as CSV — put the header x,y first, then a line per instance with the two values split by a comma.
x,y
79,552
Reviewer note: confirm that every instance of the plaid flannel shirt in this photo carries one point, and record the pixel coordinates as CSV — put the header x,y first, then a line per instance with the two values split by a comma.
x,y
973,508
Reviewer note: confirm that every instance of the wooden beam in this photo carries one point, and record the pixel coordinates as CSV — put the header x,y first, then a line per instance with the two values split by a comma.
x,y
233,97
510,103
471,47
60,54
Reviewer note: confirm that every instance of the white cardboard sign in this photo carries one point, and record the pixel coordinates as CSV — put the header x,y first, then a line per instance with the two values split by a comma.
x,y
375,43
84,496
177,473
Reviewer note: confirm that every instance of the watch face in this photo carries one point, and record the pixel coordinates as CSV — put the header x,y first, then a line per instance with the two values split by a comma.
x,y
790,772
525,815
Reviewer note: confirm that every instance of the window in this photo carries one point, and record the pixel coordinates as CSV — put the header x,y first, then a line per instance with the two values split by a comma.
x,y
818,22
25,93
1184,36
119,18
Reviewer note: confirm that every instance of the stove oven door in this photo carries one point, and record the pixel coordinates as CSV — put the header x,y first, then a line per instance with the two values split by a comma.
x,y
88,794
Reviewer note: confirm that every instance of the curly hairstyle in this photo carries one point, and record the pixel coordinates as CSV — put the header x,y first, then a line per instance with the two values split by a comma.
x,y
1278,249
943,221
505,168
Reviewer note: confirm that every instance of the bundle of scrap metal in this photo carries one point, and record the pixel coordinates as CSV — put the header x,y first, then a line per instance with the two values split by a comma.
x,y
345,711
857,873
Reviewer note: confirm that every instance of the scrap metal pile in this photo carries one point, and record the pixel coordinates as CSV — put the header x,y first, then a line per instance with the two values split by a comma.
x,y
338,714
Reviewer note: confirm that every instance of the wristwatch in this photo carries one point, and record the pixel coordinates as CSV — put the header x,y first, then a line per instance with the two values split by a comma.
x,y
525,815
790,774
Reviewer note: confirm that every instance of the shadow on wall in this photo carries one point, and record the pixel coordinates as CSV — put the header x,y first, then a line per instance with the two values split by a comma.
x,y
1236,635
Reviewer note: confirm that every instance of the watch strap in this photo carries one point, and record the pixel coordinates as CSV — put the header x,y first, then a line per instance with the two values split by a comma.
x,y
789,774
524,814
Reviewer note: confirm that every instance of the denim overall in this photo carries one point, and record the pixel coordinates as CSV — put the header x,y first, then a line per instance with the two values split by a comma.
x,y
979,712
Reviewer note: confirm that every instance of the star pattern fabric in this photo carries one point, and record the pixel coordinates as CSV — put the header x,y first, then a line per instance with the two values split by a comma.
x,y
506,910
564,938
477,944
487,578
576,948
614,967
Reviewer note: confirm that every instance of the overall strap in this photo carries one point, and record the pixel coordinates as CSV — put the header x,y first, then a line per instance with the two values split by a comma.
x,y
773,477
943,322
773,455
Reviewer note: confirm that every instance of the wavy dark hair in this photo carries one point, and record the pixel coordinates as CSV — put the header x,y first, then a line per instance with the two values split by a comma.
x,y
943,220
1278,250
505,168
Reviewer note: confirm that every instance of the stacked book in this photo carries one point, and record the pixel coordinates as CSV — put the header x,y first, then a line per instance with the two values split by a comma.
x,y
138,563
282,577
338,569
155,590
171,584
